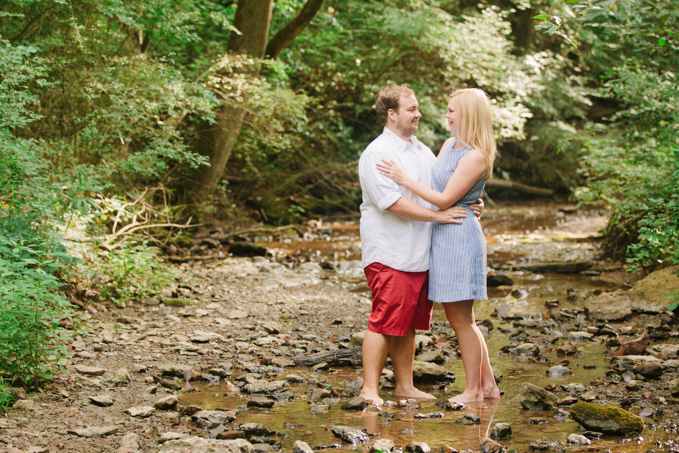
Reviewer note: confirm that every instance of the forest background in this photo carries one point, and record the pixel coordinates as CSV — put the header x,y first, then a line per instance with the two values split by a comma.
x,y
111,111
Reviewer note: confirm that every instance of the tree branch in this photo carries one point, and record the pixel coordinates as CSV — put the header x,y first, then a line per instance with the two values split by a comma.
x,y
294,28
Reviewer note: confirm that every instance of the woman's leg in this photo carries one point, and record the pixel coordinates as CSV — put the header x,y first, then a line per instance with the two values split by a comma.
x,y
490,389
461,318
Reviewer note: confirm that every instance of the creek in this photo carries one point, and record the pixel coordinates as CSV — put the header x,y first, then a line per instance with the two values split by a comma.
x,y
517,237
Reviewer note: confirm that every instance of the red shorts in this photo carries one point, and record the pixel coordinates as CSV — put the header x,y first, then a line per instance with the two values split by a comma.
x,y
400,301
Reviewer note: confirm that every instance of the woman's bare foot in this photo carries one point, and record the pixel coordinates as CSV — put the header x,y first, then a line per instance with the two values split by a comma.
x,y
492,394
414,393
466,397
373,399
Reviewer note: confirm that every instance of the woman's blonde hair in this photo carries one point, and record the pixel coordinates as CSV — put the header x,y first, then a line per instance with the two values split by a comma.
x,y
476,123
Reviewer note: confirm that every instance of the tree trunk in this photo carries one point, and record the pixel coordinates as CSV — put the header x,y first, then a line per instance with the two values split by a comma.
x,y
253,19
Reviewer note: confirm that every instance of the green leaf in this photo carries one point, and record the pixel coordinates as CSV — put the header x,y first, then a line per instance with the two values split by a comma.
x,y
661,42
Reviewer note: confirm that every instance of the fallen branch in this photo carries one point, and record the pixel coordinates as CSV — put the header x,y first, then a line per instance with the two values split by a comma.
x,y
517,186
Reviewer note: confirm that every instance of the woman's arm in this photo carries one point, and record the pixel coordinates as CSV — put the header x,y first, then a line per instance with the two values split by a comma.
x,y
469,169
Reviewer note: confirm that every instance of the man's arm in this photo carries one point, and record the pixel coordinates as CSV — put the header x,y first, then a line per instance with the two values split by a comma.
x,y
406,209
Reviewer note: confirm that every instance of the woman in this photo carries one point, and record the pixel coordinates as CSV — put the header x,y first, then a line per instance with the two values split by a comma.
x,y
457,261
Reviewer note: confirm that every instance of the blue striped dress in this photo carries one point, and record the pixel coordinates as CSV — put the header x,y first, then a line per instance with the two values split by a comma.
x,y
457,260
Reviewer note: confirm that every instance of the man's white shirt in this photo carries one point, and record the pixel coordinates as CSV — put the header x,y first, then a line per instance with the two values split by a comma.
x,y
385,238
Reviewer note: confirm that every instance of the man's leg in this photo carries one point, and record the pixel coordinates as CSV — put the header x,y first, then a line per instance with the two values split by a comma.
x,y
375,349
402,352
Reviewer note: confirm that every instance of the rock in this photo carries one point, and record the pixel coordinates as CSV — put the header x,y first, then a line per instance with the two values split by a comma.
x,y
610,306
588,396
382,445
501,431
649,294
489,445
665,351
357,338
429,415
348,434
578,440
301,447
634,347
175,302
101,400
256,429
172,436
567,348
355,404
430,372
140,411
535,398
166,403
438,356
237,314
130,442
543,445
174,369
495,279
260,402
606,419
559,370
271,327
418,447
469,419
25,404
89,370
674,387
94,431
243,249
650,370
423,341
121,377
527,349
201,445
209,419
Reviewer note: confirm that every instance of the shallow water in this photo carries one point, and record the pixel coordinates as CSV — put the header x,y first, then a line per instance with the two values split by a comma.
x,y
515,235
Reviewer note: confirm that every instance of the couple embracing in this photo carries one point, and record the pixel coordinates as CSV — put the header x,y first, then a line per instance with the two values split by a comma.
x,y
422,240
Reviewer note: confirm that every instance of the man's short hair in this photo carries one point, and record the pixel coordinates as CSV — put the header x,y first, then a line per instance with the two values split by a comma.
x,y
388,98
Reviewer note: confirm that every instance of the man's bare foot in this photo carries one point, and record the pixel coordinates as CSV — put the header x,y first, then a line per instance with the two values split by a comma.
x,y
466,397
492,394
414,393
373,398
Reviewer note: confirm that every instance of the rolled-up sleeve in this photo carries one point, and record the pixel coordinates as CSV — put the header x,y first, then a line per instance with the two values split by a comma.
x,y
383,191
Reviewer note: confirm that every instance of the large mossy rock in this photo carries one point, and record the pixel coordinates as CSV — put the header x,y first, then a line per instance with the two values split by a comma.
x,y
647,296
606,419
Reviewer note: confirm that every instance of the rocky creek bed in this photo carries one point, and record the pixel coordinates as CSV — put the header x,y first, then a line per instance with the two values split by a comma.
x,y
262,354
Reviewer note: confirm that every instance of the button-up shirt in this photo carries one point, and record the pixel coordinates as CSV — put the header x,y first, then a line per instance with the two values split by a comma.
x,y
399,243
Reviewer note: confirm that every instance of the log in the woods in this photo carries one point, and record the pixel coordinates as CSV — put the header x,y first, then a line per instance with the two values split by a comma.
x,y
341,357
517,186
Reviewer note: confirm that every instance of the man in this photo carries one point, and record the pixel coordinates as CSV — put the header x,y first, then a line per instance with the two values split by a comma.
x,y
395,240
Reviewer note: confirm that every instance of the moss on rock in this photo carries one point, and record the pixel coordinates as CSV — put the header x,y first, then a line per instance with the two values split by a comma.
x,y
177,302
607,419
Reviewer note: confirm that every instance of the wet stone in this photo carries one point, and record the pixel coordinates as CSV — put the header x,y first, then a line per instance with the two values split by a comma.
x,y
256,429
469,419
489,445
650,370
351,435
527,349
448,406
559,370
429,415
543,445
356,404
607,419
438,356
501,431
418,447
536,398
211,419
234,434
301,447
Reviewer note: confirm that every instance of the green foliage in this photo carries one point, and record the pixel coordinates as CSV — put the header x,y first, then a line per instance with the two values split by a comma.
x,y
632,158
6,398
132,272
30,309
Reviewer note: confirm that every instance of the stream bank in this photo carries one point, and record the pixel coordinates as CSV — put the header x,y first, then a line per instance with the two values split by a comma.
x,y
225,340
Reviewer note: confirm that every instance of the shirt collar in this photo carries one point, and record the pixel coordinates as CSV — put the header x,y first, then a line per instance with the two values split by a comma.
x,y
398,142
